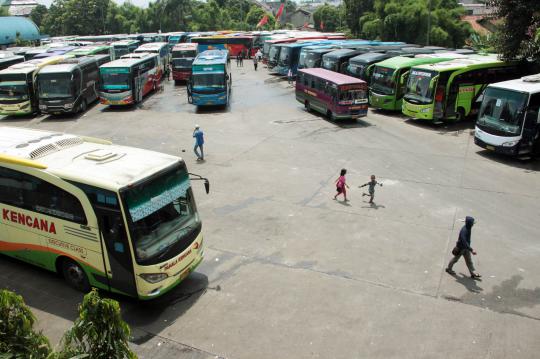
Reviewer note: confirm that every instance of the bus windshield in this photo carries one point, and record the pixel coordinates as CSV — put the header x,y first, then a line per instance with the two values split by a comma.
x,y
419,89
120,51
209,82
274,53
330,64
182,63
183,54
163,213
55,85
313,59
285,56
356,69
13,90
115,78
383,80
351,96
502,111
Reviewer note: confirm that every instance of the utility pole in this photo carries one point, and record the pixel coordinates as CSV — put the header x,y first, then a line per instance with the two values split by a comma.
x,y
428,22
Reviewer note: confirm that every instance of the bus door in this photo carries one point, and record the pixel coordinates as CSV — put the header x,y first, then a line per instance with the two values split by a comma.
x,y
531,126
116,247
138,86
402,84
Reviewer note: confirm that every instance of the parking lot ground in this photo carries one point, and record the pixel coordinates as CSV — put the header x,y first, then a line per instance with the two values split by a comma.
x,y
290,273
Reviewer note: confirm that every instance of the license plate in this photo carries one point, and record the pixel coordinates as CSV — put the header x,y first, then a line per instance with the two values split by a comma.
x,y
490,148
57,113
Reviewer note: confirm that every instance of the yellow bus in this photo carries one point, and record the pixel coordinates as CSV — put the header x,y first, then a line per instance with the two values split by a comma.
x,y
113,217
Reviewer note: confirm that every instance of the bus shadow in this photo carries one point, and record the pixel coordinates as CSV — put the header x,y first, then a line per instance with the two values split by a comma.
x,y
387,113
342,123
444,128
65,117
16,119
48,292
213,109
133,107
528,165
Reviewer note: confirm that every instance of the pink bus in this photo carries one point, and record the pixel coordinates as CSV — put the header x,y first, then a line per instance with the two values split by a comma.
x,y
333,94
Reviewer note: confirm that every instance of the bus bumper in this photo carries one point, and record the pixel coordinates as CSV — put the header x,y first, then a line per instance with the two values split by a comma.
x,y
420,112
383,102
57,110
210,100
116,99
510,146
22,108
177,269
180,75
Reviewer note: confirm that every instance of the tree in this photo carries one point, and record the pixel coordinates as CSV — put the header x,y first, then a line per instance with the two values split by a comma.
x,y
516,37
255,15
38,15
99,332
4,11
18,339
354,10
326,18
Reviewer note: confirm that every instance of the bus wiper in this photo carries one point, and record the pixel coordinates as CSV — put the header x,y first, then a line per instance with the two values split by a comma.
x,y
187,228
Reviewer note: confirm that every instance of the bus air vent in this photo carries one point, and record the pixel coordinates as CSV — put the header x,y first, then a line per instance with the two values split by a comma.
x,y
100,155
53,147
43,150
531,78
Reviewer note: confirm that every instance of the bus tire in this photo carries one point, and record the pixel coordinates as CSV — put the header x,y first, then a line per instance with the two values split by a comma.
x,y
306,105
330,115
82,107
75,275
460,114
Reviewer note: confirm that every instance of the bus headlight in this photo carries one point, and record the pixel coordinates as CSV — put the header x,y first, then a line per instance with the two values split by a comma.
x,y
424,110
42,107
509,144
67,106
154,277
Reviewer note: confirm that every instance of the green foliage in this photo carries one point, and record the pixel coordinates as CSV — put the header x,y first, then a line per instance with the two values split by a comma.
x,y
407,20
354,11
38,14
4,11
327,15
255,15
99,332
18,340
517,37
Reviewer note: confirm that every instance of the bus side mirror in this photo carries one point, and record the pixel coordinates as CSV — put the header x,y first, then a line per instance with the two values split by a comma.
x,y
432,82
207,186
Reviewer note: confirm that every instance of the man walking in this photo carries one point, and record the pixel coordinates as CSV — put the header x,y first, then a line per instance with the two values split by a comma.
x,y
290,76
463,248
255,62
199,142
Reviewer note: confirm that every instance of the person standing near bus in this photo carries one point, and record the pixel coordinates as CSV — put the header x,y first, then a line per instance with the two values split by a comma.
x,y
259,55
290,76
371,189
199,142
341,185
463,248
255,61
242,60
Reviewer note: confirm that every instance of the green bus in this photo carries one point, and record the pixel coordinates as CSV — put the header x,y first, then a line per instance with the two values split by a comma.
x,y
451,90
91,50
389,79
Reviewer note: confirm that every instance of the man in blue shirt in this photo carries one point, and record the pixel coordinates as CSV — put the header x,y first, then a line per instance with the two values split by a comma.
x,y
199,142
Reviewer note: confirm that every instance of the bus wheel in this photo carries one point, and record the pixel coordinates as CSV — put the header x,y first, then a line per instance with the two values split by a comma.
x,y
82,107
460,114
306,105
75,275
330,115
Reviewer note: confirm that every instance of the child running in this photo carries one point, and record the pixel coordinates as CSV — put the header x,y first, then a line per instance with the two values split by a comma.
x,y
341,184
371,189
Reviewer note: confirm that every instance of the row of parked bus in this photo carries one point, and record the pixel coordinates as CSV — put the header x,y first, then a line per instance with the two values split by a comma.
x,y
340,78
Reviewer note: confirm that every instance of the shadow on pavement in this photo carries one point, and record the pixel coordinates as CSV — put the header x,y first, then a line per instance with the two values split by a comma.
x,y
48,292
444,128
528,165
66,117
15,119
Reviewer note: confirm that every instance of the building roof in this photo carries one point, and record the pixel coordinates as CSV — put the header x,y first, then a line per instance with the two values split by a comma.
x,y
20,7
11,25
335,77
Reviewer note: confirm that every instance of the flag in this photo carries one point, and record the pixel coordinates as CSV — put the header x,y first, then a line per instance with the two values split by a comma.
x,y
322,25
263,21
306,25
280,11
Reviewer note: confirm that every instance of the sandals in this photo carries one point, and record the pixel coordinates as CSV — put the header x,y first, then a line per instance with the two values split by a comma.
x,y
475,276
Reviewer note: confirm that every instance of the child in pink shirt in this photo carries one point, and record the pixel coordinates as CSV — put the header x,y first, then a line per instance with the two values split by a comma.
x,y
341,185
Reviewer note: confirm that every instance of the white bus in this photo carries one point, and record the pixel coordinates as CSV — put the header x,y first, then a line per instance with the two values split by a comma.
x,y
162,50
113,217
509,118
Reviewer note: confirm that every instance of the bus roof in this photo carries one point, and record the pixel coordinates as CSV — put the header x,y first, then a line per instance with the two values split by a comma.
x,y
128,62
31,65
137,55
528,84
67,65
124,43
211,57
154,46
185,46
401,61
338,54
337,78
369,57
84,50
82,159
464,62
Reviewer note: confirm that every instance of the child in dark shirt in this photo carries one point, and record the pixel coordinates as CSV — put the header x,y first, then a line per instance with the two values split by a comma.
x,y
371,188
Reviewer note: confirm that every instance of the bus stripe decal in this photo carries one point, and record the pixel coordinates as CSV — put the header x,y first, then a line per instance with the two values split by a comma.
x,y
13,247
75,233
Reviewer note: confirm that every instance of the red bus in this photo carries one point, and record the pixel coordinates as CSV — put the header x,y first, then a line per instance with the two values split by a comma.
x,y
333,94
182,58
236,45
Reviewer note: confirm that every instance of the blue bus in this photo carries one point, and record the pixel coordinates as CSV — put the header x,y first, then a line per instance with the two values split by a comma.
x,y
211,81
289,56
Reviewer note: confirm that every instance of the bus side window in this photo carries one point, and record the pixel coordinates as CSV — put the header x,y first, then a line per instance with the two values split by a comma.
x,y
76,80
532,118
306,80
34,194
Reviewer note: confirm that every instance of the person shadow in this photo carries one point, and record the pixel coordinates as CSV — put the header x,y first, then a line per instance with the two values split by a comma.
x,y
468,282
373,205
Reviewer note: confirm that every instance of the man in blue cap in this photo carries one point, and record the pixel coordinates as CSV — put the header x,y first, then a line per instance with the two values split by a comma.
x,y
199,142
463,248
